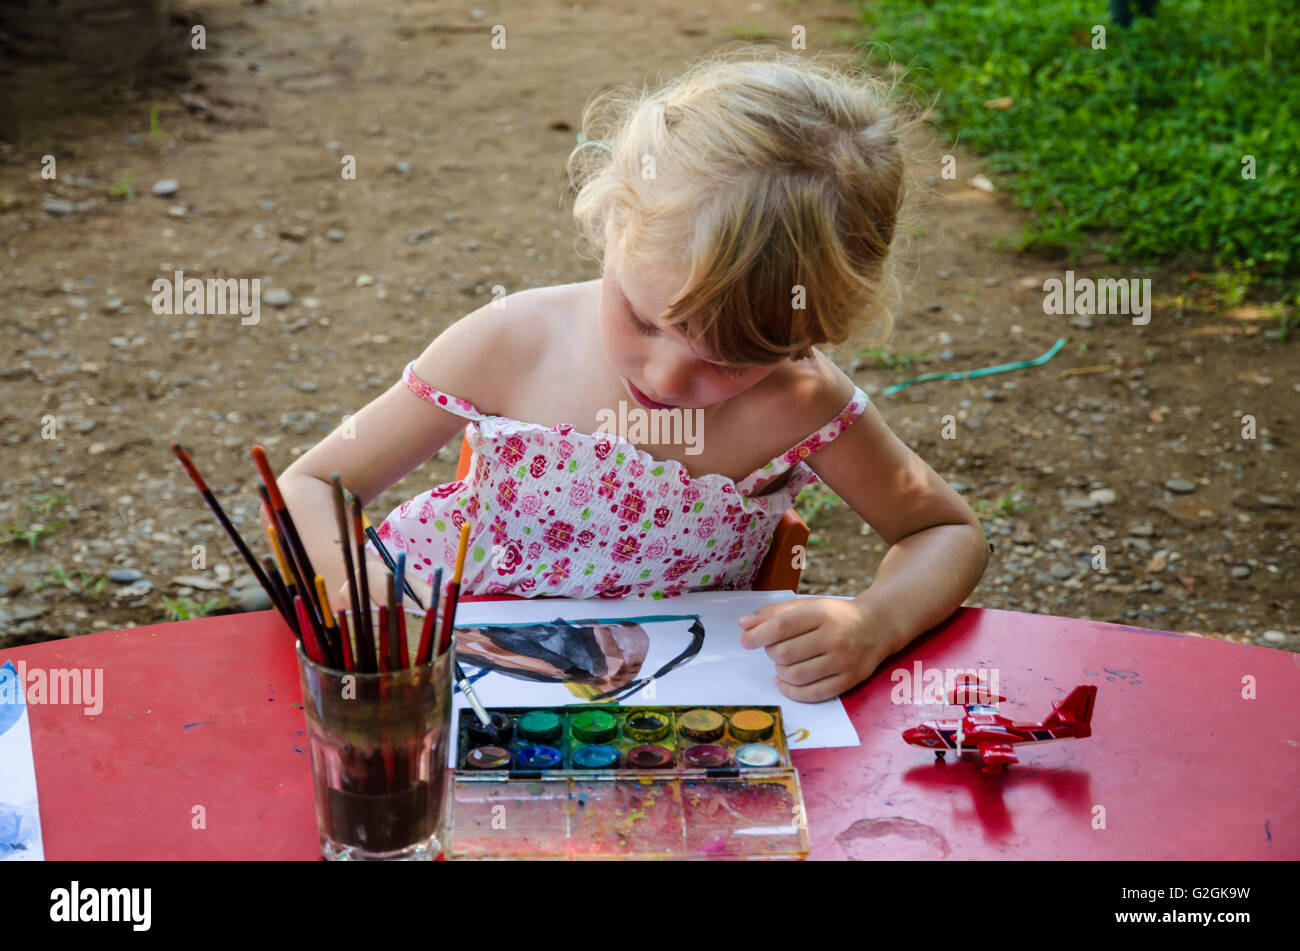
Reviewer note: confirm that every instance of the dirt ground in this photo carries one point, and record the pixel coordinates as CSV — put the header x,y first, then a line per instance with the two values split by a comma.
x,y
460,169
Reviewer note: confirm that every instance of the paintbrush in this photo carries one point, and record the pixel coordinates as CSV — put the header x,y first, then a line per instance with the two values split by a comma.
x,y
299,587
375,540
282,592
349,663
400,579
340,513
296,550
367,632
453,592
229,529
425,647
394,658
310,643
383,638
332,631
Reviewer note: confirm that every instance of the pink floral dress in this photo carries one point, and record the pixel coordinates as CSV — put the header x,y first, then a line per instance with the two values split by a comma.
x,y
566,514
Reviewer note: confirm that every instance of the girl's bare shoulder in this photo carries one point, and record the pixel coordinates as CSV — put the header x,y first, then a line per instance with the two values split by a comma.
x,y
485,356
806,393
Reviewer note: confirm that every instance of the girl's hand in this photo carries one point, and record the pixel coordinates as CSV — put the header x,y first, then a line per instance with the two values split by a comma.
x,y
377,573
821,646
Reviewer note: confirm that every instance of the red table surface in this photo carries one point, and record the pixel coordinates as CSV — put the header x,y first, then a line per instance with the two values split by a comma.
x,y
1179,766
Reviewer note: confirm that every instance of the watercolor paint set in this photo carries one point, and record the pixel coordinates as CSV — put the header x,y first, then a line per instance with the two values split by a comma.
x,y
603,781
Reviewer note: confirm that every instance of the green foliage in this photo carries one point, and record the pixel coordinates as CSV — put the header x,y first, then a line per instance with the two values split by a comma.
x,y
1136,149
1007,504
90,585
186,609
41,506
895,361
123,188
815,503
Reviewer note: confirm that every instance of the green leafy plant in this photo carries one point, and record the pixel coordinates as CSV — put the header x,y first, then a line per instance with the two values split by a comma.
x,y
894,361
41,506
155,126
187,609
816,503
91,585
1007,504
123,188
1144,149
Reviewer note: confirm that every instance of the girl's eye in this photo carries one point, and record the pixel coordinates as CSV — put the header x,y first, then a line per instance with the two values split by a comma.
x,y
644,329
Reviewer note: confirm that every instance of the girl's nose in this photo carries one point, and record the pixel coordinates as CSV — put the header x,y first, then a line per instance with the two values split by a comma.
x,y
669,376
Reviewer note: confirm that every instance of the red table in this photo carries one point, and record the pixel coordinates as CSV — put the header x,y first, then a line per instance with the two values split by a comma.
x,y
1179,766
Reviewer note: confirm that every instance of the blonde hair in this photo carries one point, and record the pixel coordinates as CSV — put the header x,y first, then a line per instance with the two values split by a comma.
x,y
767,172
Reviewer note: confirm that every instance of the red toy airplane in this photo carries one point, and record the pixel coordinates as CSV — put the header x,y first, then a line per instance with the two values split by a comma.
x,y
984,729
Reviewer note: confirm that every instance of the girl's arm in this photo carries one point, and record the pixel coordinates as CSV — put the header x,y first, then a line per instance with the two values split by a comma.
x,y
936,557
392,436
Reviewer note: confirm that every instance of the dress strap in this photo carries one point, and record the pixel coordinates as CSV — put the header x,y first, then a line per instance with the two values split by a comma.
x,y
438,398
798,453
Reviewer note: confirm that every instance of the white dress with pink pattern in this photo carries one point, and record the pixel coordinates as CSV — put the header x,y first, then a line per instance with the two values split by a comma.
x,y
566,514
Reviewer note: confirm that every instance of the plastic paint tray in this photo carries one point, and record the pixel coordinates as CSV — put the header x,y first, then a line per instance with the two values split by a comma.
x,y
685,782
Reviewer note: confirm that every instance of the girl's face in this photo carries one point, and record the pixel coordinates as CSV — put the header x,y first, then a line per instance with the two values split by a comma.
x,y
661,368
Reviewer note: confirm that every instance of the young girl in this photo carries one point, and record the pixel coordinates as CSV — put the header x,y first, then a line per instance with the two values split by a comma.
x,y
745,212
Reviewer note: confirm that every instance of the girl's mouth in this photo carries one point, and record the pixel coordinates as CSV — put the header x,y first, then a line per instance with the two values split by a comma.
x,y
643,399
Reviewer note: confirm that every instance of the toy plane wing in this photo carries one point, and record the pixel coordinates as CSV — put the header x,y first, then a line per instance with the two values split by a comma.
x,y
996,756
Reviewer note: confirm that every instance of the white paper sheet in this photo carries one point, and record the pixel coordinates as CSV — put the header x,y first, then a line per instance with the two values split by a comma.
x,y
722,674
20,816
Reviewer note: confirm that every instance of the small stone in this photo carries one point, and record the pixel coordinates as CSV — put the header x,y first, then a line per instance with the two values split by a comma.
x,y
277,297
253,599
403,168
136,589
334,145
267,206
364,280
113,305
1275,637
1181,486
308,386
1144,530
78,303
1060,571
990,282
944,275
1272,501
946,355
1241,571
166,187
335,235
1081,323
1079,503
86,425
58,208
1102,496
934,307
124,575
28,613
176,211
97,449
196,581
